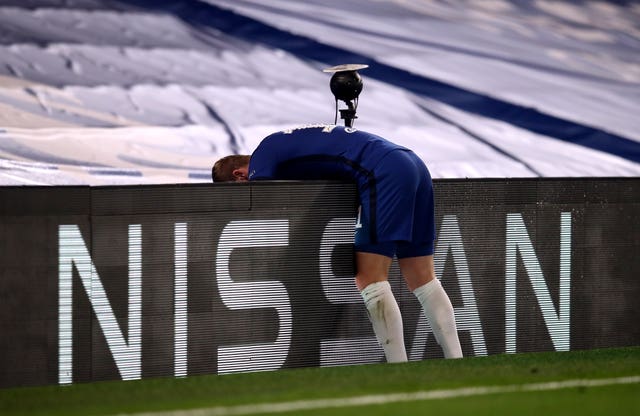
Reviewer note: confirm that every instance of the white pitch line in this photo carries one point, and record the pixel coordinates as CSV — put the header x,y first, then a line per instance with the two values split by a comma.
x,y
299,405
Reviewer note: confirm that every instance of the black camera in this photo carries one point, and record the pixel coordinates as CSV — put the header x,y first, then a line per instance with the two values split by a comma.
x,y
346,85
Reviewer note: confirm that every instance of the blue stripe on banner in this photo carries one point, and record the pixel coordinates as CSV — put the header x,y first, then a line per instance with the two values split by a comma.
x,y
200,175
198,13
115,172
16,148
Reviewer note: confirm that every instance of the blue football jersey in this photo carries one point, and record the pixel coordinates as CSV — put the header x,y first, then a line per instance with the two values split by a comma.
x,y
319,152
394,185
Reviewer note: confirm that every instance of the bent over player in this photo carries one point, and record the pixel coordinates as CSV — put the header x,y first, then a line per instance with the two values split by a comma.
x,y
396,217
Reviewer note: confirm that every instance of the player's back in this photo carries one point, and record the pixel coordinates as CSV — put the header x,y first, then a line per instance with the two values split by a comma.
x,y
318,152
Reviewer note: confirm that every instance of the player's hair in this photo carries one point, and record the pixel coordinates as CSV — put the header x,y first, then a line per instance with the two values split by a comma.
x,y
222,170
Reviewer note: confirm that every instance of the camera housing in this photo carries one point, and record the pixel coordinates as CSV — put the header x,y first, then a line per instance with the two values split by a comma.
x,y
346,85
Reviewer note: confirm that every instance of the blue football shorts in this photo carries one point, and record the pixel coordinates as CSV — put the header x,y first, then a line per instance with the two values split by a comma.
x,y
396,214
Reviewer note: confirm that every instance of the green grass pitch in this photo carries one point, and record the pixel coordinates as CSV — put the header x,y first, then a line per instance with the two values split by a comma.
x,y
218,395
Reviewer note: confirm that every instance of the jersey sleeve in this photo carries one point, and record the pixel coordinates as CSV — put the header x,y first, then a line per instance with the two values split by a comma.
x,y
261,165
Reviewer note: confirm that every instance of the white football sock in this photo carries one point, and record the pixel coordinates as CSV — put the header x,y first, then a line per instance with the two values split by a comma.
x,y
386,319
439,312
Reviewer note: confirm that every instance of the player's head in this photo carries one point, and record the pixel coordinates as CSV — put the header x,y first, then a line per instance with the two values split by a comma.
x,y
233,168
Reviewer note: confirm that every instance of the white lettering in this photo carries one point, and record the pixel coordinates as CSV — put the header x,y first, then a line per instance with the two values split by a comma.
x,y
326,128
518,241
342,290
180,299
73,251
251,295
359,218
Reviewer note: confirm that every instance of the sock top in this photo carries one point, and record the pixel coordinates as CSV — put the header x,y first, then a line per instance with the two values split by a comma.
x,y
427,288
375,289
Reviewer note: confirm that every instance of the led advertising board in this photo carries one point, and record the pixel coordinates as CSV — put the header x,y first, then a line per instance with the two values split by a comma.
x,y
110,283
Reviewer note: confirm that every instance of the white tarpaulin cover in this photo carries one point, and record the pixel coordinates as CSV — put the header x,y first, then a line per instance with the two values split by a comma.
x,y
135,92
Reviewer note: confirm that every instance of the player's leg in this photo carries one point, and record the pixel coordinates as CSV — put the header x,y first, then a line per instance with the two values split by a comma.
x,y
415,257
382,202
421,279
382,308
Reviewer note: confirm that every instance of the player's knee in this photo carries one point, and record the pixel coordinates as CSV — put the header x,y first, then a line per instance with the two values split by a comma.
x,y
362,280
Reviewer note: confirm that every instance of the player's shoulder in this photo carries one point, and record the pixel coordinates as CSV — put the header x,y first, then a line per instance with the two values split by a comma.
x,y
321,129
317,131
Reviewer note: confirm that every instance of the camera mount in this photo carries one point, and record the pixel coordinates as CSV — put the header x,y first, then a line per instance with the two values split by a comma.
x,y
346,85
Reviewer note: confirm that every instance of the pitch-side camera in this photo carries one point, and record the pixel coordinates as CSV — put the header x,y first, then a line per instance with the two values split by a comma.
x,y
346,85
